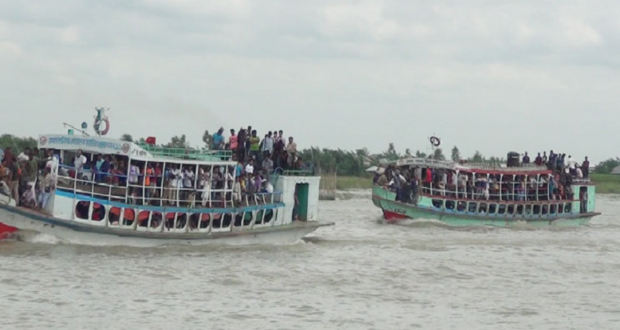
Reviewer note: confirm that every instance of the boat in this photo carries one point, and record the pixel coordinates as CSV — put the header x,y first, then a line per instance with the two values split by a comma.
x,y
499,195
135,205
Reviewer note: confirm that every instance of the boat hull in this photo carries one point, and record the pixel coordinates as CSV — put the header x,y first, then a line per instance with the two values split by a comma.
x,y
394,211
28,222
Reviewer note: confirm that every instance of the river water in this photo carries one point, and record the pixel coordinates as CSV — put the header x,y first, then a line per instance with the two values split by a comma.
x,y
359,274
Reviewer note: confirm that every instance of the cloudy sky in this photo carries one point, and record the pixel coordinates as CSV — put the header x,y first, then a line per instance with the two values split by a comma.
x,y
482,74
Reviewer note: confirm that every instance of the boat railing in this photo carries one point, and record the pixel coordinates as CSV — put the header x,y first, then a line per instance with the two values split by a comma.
x,y
187,153
508,192
117,187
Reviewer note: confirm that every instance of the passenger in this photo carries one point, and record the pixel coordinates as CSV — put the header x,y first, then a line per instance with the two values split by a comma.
x,y
78,164
233,141
545,159
236,197
241,141
218,139
551,188
572,166
382,181
267,164
538,161
526,158
249,168
14,178
254,147
104,169
585,168
248,142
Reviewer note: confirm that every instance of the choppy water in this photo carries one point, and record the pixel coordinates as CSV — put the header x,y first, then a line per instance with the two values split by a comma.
x,y
356,275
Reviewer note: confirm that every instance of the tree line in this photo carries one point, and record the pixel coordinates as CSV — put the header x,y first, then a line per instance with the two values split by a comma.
x,y
342,162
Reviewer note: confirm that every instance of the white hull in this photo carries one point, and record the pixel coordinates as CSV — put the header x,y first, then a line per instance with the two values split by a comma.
x,y
26,224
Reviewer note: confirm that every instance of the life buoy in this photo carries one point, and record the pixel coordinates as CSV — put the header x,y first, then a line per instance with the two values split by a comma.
x,y
435,141
97,126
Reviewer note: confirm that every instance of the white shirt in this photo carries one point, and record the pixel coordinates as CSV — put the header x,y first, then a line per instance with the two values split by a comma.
x,y
188,178
176,173
268,144
579,173
52,163
572,164
249,169
22,157
79,162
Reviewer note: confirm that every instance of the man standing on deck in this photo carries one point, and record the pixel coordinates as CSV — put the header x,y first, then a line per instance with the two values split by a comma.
x,y
254,146
14,179
78,163
538,161
218,139
526,158
585,167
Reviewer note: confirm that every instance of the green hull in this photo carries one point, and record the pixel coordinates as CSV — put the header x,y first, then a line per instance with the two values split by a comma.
x,y
394,211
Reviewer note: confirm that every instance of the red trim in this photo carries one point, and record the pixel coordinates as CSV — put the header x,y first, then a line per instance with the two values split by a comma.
x,y
392,216
6,230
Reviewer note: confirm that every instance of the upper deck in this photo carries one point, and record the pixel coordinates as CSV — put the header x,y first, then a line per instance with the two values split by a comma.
x,y
107,146
479,168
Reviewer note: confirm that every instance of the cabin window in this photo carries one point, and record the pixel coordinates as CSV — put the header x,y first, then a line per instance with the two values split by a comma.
x,y
450,205
269,215
217,220
492,208
471,208
194,221
143,218
181,220
228,218
501,209
259,217
98,212
545,209
536,209
568,208
520,209
511,209
461,206
239,219
437,203
205,219
247,218
81,210
482,208
114,215
129,216
169,223
553,209
156,219
528,209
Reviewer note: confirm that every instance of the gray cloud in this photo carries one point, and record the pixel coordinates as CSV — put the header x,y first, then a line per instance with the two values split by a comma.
x,y
484,75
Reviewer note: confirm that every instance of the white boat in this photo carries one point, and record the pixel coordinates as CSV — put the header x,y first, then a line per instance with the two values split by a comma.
x,y
127,209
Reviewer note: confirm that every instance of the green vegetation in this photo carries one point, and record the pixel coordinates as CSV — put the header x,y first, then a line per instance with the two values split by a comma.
x,y
606,183
353,182
17,144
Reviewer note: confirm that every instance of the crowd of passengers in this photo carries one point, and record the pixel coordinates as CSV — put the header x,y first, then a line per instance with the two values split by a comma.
x,y
29,178
408,182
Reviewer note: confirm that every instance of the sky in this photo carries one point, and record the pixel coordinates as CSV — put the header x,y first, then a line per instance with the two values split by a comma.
x,y
487,75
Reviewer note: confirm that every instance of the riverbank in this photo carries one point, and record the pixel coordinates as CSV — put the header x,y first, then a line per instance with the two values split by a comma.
x,y
605,183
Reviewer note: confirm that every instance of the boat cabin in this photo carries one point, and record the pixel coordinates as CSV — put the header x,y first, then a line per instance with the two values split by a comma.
x,y
117,184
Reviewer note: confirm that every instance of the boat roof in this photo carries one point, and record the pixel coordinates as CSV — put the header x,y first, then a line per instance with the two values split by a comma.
x,y
144,152
484,168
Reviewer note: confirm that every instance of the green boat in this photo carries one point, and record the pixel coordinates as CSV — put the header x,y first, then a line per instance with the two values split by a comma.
x,y
460,194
